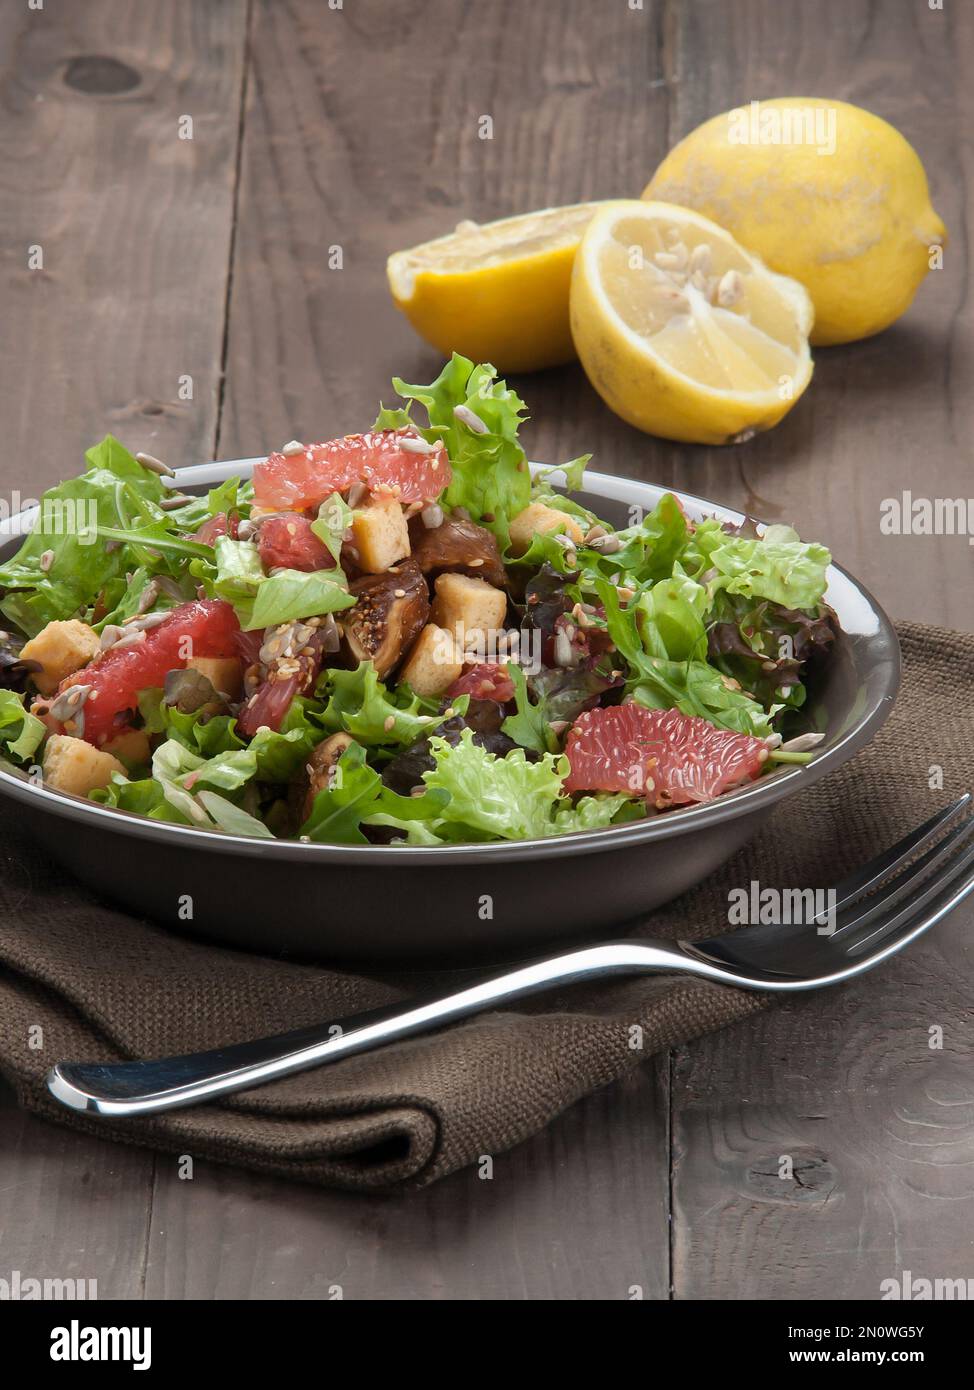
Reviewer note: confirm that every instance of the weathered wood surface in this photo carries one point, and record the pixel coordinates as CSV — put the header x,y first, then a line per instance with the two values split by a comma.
x,y
362,134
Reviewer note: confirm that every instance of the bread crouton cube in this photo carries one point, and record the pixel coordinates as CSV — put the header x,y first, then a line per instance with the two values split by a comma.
x,y
380,534
468,608
540,517
132,747
434,662
71,765
62,648
225,673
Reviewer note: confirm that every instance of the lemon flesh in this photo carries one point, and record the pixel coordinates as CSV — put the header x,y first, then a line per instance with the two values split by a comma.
x,y
498,292
681,331
822,191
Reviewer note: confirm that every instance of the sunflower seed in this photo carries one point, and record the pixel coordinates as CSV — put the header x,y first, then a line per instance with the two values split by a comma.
x,y
47,560
432,516
168,585
292,447
68,703
802,743
730,288
563,649
700,259
143,622
331,637
132,638
467,417
415,445
174,501
356,494
148,596
155,465
606,545
246,530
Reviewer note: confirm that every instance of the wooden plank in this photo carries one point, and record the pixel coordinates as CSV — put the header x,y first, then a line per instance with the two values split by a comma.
x,y
71,1207
575,1213
885,415
379,161
880,1126
370,165
133,224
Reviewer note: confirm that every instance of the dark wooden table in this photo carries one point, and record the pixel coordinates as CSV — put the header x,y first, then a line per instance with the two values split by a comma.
x,y
186,303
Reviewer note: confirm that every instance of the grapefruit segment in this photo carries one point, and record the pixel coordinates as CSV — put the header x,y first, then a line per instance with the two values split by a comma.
x,y
486,681
390,461
205,627
288,542
671,759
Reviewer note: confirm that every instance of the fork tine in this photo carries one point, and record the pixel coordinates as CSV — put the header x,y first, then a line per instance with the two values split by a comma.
x,y
882,901
954,882
857,884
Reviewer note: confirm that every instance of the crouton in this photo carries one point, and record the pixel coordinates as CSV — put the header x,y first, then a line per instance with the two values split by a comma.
x,y
380,534
132,747
225,673
540,517
71,765
62,648
468,608
434,662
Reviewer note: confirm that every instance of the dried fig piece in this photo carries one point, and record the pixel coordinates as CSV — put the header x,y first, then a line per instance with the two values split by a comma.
x,y
390,611
461,546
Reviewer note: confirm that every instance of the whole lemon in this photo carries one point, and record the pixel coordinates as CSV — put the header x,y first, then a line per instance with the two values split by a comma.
x,y
822,191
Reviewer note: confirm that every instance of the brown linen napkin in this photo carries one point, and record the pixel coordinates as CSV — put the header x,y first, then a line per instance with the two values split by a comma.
x,y
104,985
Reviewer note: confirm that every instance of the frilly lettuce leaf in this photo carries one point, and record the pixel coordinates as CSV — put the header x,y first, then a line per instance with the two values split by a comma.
x,y
510,798
490,472
359,796
21,733
70,514
359,704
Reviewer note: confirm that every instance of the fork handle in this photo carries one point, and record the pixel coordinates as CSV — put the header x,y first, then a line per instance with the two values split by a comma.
x,y
144,1088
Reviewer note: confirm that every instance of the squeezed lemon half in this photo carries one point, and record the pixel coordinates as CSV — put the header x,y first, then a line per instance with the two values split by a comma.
x,y
681,331
496,292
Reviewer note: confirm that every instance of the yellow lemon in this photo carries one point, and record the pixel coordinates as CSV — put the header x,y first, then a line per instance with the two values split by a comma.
x,y
822,191
498,292
681,331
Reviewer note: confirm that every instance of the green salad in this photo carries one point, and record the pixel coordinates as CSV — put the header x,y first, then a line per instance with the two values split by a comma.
x,y
400,636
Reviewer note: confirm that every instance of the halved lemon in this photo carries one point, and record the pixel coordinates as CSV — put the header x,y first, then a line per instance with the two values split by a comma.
x,y
681,331
498,292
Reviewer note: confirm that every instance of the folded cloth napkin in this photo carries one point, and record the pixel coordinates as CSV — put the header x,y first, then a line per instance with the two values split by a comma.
x,y
103,985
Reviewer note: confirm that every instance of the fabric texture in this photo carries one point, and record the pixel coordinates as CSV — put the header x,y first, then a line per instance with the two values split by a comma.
x,y
104,985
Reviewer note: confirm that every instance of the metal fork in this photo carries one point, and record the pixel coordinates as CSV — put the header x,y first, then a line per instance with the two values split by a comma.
x,y
918,882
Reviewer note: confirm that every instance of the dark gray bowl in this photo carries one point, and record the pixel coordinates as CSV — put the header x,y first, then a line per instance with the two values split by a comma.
x,y
382,904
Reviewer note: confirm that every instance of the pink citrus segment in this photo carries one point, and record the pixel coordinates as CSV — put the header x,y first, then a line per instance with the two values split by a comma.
x,y
293,482
671,759
487,681
204,627
288,542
